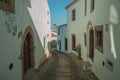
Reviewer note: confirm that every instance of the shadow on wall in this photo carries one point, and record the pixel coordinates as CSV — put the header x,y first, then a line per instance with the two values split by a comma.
x,y
39,57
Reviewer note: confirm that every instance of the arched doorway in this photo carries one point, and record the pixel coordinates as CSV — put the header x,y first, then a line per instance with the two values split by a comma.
x,y
91,43
27,61
28,50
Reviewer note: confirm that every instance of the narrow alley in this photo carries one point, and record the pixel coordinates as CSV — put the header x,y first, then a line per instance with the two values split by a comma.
x,y
61,67
59,40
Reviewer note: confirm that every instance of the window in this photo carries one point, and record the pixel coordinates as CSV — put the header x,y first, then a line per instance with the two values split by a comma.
x,y
85,7
73,14
99,38
92,5
7,5
73,41
85,39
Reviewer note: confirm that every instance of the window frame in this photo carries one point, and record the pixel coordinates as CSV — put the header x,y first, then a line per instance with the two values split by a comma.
x,y
92,7
8,6
73,15
99,38
73,41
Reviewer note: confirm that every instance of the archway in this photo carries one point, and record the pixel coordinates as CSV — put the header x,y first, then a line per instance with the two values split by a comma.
x,y
28,50
27,61
90,41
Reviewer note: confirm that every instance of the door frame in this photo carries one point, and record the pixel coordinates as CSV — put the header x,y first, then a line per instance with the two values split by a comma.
x,y
91,43
27,53
27,31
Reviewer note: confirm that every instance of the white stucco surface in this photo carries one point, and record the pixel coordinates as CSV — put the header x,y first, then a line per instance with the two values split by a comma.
x,y
35,15
105,12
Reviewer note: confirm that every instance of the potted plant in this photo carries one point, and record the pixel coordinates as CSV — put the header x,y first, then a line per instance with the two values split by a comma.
x,y
78,50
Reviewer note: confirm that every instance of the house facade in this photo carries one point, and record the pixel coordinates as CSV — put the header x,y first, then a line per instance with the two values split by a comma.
x,y
25,32
94,25
53,43
62,37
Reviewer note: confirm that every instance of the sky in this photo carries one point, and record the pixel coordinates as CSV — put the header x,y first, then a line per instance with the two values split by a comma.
x,y
58,11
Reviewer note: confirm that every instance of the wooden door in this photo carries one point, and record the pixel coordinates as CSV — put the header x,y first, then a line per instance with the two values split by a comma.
x,y
91,44
27,53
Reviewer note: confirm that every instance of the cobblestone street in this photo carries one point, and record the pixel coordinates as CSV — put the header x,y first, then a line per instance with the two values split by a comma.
x,y
61,67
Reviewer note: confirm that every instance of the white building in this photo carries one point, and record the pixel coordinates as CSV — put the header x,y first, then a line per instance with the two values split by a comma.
x,y
94,24
62,37
53,43
25,32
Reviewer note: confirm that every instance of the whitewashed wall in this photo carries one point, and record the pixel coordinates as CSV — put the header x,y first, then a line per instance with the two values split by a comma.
x,y
105,12
63,32
62,36
10,45
74,27
41,18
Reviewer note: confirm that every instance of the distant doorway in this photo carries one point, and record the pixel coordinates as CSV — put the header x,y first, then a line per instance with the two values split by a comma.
x,y
66,45
91,43
60,45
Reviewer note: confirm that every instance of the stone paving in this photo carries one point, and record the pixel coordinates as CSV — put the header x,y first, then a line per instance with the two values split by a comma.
x,y
63,70
61,67
78,72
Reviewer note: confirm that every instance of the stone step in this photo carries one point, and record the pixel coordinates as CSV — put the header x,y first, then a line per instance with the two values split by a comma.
x,y
63,78
63,70
63,74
